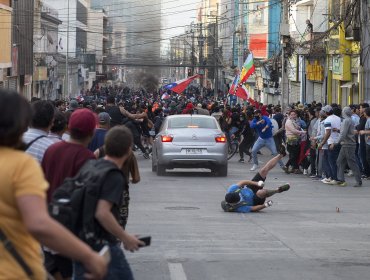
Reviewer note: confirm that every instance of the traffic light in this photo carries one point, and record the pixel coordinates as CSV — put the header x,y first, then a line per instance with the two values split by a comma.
x,y
190,72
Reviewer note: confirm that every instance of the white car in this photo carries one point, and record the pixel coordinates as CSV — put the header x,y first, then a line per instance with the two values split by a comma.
x,y
190,141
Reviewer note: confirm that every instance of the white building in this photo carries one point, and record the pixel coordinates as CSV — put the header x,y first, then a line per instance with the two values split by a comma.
x,y
46,83
302,87
72,38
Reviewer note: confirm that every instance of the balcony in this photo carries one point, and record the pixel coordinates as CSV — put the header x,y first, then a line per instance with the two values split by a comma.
x,y
304,2
313,44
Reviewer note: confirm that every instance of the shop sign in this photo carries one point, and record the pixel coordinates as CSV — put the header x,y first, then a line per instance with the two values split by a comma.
x,y
314,71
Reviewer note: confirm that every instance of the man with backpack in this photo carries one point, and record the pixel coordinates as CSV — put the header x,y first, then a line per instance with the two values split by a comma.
x,y
108,193
248,195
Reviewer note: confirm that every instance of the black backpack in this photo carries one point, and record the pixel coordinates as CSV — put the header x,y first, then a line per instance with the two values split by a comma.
x,y
74,202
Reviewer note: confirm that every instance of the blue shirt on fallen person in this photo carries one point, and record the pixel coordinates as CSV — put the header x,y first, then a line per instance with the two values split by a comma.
x,y
246,195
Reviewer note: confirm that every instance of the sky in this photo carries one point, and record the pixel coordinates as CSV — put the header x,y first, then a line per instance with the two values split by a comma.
x,y
177,13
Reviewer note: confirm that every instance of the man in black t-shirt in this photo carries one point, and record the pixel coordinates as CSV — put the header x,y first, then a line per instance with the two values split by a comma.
x,y
118,143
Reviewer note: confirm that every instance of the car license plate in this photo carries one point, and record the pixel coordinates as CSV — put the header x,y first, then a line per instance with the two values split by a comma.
x,y
193,151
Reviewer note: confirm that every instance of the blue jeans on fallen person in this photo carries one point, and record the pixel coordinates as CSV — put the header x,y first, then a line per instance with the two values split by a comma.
x,y
269,143
118,268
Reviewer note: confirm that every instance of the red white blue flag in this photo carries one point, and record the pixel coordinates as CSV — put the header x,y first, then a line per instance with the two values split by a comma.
x,y
234,85
180,86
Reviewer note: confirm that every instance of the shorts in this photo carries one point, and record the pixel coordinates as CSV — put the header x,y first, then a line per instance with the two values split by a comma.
x,y
58,263
256,199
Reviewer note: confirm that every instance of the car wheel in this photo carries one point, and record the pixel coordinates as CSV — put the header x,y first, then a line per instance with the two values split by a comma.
x,y
154,167
222,170
161,170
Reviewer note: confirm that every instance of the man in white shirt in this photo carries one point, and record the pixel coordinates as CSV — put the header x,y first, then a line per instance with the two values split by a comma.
x,y
332,130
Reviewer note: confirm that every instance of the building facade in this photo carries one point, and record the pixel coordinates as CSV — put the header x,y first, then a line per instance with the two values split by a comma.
x,y
6,42
46,81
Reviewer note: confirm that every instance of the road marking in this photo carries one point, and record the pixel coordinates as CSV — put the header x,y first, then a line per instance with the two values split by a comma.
x,y
177,271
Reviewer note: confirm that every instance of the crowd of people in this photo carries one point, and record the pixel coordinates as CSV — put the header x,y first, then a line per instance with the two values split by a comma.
x,y
323,141
44,142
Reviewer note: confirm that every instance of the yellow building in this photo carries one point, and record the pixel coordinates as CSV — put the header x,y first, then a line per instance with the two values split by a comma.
x,y
343,59
6,38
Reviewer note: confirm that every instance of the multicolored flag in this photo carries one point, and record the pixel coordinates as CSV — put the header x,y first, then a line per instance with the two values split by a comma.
x,y
234,85
180,86
247,69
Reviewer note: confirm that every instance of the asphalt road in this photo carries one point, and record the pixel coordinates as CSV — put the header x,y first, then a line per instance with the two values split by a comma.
x,y
302,236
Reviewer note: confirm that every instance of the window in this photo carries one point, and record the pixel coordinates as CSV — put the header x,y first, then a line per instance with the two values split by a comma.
x,y
193,122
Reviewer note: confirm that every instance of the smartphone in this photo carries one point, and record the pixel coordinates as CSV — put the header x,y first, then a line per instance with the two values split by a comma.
x,y
146,240
105,253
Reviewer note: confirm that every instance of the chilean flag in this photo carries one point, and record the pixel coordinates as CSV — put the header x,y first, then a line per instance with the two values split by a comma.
x,y
180,86
234,85
165,96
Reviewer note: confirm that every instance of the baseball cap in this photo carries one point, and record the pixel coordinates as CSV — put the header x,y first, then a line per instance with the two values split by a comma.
x,y
104,118
83,121
327,109
73,104
322,113
232,197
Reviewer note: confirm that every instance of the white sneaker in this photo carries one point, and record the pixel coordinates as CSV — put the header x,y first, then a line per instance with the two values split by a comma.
x,y
254,167
350,173
305,171
326,180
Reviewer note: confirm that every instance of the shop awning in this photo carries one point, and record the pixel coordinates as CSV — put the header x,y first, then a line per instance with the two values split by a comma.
x,y
349,85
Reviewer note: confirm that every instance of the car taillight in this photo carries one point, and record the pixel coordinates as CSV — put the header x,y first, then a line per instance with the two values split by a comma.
x,y
220,139
166,138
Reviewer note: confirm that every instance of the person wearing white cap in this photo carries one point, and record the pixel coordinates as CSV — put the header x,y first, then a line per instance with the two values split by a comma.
x,y
202,109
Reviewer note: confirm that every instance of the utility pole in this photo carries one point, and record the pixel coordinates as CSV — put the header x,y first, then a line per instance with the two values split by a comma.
x,y
66,88
365,61
201,69
241,34
192,51
215,53
284,33
184,56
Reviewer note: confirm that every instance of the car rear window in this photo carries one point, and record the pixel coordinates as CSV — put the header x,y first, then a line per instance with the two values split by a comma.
x,y
193,122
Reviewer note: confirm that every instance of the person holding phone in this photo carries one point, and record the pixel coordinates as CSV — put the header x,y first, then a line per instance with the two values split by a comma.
x,y
117,147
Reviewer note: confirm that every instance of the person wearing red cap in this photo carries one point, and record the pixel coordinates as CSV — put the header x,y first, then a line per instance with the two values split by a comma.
x,y
64,159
